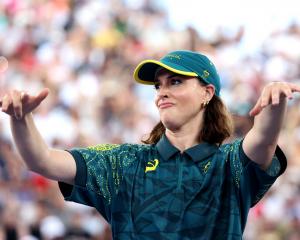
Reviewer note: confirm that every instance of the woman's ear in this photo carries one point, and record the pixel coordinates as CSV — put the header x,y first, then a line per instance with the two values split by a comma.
x,y
210,91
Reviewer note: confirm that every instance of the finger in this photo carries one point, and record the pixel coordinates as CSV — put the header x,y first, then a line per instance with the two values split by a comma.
x,y
42,95
6,102
288,93
294,87
31,102
24,97
17,104
256,109
265,98
275,96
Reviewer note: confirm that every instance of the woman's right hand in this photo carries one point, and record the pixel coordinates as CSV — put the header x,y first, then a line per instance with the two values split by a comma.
x,y
18,103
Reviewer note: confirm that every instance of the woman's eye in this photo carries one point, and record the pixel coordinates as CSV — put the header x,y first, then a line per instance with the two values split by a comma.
x,y
156,86
176,81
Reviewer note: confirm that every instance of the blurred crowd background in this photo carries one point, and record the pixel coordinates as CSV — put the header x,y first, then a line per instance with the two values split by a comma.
x,y
85,53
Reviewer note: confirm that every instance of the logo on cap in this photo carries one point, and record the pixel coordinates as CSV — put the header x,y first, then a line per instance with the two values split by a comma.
x,y
205,74
173,56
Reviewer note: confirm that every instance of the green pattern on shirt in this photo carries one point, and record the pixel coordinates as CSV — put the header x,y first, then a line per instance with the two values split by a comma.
x,y
205,195
105,164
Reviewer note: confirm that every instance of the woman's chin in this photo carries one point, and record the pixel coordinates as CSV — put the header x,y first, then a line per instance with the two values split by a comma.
x,y
171,125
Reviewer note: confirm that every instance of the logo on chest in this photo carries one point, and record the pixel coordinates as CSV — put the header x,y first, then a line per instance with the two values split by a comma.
x,y
206,167
151,165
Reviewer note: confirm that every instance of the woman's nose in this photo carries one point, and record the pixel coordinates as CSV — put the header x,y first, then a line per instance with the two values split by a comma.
x,y
163,91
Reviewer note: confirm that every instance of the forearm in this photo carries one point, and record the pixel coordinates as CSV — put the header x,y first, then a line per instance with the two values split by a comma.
x,y
261,141
30,144
52,163
268,123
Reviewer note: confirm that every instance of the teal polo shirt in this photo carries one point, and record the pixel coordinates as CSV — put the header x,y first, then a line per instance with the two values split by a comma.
x,y
157,192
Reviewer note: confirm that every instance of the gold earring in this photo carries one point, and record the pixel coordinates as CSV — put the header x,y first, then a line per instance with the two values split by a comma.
x,y
205,103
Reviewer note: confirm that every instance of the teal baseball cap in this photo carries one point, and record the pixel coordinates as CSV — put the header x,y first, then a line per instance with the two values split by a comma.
x,y
182,62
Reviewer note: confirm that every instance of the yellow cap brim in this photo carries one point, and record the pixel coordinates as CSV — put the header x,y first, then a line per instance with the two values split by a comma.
x,y
142,67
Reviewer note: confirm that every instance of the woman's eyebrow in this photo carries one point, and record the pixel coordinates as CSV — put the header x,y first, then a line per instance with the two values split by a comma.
x,y
173,75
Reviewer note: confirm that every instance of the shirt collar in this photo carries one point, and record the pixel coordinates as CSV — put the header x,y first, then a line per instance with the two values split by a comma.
x,y
197,153
201,151
165,148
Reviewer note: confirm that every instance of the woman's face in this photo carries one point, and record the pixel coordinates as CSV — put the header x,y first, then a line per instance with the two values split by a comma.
x,y
180,99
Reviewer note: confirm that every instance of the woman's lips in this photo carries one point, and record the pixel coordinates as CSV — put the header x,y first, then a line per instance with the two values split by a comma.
x,y
165,105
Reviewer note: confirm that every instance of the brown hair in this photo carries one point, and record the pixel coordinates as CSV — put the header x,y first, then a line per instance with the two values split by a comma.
x,y
217,124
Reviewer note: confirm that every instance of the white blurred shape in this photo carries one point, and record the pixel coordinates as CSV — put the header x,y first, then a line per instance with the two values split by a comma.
x,y
52,227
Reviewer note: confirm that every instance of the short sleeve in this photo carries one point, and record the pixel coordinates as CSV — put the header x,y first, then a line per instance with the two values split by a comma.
x,y
256,181
251,181
99,175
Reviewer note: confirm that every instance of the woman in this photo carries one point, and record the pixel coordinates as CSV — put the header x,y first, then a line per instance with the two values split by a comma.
x,y
183,183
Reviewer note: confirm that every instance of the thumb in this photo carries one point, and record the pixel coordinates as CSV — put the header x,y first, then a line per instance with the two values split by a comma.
x,y
256,109
31,102
42,95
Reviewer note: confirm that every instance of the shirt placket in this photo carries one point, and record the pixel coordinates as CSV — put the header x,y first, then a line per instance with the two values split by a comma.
x,y
178,194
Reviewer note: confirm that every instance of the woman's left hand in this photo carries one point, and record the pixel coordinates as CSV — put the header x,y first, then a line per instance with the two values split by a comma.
x,y
272,94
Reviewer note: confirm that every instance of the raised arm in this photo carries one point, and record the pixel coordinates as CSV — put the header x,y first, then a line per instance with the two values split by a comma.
x,y
269,112
52,163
